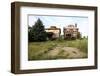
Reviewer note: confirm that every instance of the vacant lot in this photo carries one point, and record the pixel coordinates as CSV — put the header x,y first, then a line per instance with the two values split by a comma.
x,y
58,49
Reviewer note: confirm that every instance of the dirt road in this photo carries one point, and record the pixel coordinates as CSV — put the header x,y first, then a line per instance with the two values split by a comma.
x,y
66,52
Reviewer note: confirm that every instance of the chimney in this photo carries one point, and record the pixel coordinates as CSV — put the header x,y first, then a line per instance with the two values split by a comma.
x,y
75,24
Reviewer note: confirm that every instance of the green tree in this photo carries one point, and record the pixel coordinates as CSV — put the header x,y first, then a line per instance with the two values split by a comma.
x,y
79,35
29,34
37,33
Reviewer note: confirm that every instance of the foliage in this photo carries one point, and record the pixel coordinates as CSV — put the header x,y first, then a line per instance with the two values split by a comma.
x,y
79,35
29,34
37,32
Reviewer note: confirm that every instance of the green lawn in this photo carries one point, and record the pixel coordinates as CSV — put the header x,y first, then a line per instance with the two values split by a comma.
x,y
40,50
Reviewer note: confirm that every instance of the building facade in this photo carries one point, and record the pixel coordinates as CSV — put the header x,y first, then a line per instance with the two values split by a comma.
x,y
56,31
71,32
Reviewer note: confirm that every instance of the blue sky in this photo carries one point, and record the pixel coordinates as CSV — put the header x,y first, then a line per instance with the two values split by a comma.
x,y
61,21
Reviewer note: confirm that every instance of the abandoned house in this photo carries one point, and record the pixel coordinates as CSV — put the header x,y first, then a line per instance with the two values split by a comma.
x,y
71,32
55,31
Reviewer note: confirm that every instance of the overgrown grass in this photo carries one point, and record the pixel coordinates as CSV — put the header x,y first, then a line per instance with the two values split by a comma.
x,y
40,50
80,44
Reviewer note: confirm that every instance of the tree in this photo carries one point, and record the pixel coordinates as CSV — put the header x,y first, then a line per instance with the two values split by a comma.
x,y
79,35
29,34
37,33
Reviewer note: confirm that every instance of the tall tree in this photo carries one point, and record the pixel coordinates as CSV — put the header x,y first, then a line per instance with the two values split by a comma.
x,y
29,34
79,35
38,33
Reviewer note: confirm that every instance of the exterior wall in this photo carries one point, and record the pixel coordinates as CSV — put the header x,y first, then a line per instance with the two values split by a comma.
x,y
56,33
71,32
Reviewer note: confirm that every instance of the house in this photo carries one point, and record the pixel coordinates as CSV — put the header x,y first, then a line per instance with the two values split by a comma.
x,y
55,31
71,32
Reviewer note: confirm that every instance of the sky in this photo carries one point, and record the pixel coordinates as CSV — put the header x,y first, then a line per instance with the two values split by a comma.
x,y
61,22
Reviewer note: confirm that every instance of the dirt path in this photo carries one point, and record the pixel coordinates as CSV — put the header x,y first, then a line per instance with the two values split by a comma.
x,y
67,52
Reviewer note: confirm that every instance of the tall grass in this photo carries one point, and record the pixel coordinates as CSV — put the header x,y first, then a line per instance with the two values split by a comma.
x,y
80,44
37,49
40,50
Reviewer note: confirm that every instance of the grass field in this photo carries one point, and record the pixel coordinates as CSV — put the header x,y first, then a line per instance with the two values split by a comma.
x,y
58,49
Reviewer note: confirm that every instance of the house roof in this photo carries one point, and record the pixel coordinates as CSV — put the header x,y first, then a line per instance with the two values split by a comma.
x,y
53,28
71,27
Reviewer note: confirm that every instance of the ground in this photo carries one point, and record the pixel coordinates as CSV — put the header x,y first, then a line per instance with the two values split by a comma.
x,y
58,49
